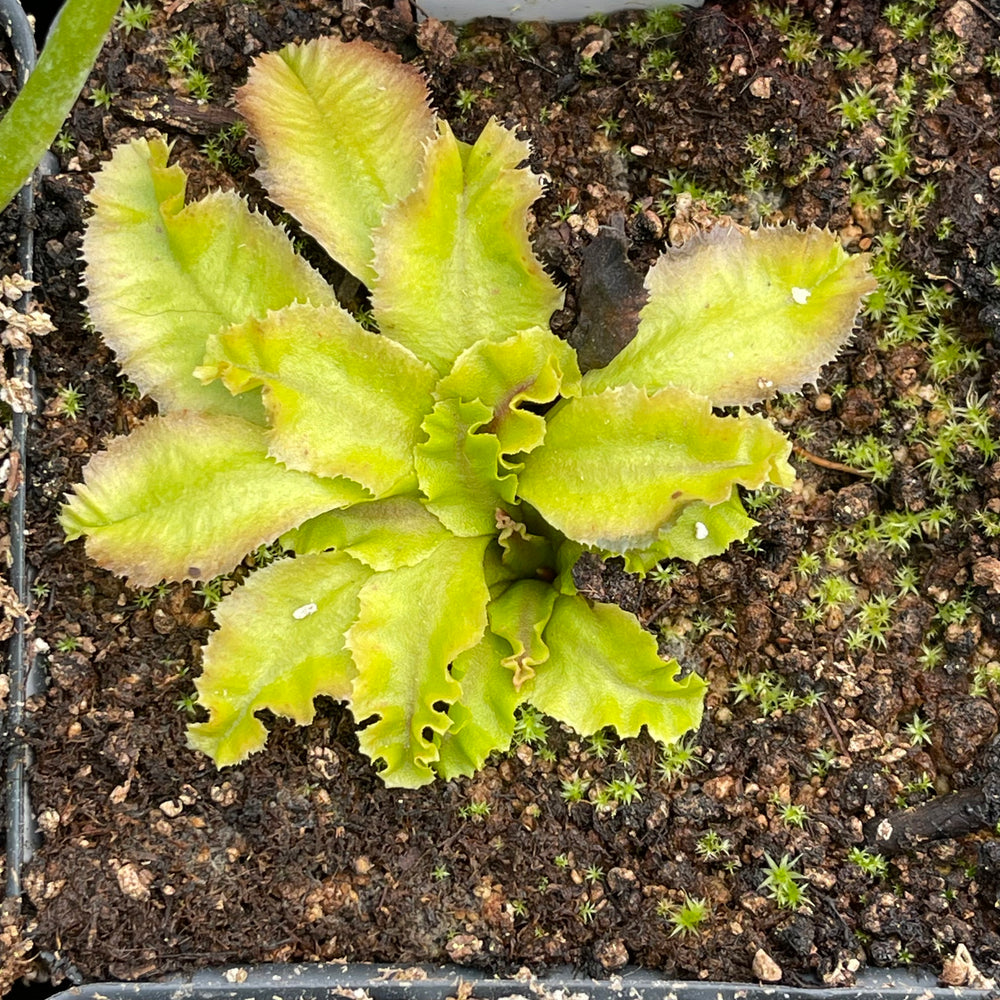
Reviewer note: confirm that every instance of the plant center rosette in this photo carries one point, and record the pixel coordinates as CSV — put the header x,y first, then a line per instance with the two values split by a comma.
x,y
432,483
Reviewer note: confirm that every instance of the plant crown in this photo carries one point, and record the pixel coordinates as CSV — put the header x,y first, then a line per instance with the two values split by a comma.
x,y
435,482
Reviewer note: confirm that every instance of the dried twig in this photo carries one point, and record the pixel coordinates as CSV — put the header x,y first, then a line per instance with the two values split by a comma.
x,y
828,463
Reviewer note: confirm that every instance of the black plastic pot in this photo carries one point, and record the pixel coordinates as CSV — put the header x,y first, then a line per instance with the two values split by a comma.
x,y
320,982
308,981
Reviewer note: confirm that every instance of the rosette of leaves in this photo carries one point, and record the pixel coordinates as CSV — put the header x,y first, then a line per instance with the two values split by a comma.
x,y
433,483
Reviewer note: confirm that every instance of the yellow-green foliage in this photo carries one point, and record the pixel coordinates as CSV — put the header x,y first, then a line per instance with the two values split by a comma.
x,y
436,480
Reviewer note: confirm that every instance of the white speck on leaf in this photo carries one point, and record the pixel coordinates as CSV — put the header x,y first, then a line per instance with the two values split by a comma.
x,y
700,531
305,611
801,295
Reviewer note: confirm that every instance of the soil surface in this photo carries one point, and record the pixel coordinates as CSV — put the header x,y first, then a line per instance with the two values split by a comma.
x,y
852,646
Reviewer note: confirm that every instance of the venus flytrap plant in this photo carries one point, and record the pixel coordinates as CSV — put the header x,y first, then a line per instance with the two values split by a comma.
x,y
434,482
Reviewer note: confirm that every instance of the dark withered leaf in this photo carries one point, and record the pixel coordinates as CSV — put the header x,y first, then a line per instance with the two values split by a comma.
x,y
611,295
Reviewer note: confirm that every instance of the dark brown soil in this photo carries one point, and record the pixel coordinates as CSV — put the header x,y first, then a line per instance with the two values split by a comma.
x,y
152,860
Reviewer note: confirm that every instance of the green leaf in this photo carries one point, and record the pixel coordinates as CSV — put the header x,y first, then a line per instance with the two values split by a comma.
x,y
567,556
453,259
699,531
188,495
340,129
483,719
341,401
279,645
532,367
383,534
458,468
163,277
520,615
413,623
499,576
525,554
617,469
603,670
31,124
738,316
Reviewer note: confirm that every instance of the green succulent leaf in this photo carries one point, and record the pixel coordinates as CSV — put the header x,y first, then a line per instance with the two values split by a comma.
x,y
617,469
483,720
603,670
163,277
737,316
454,262
532,367
383,534
332,149
279,645
413,623
340,400
188,495
520,615
31,124
458,468
699,531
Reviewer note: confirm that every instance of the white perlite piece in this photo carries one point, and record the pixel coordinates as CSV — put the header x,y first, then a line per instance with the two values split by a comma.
x,y
305,611
700,530
801,295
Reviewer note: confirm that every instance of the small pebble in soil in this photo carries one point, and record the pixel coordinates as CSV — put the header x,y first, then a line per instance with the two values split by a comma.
x,y
765,968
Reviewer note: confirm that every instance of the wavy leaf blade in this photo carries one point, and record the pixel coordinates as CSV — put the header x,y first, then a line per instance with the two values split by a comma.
x,y
453,259
383,534
738,316
412,624
532,367
332,150
163,277
603,670
617,469
340,400
520,615
280,644
483,719
524,554
698,531
457,468
142,503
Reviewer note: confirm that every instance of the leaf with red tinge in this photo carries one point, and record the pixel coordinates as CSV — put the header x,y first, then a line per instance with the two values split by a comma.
x,y
341,401
340,129
188,495
454,262
738,316
164,277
